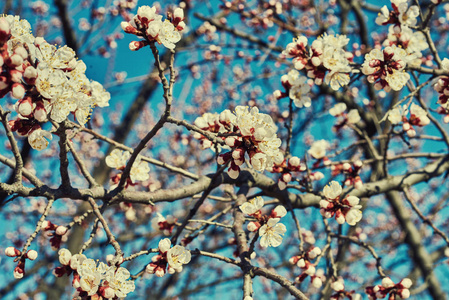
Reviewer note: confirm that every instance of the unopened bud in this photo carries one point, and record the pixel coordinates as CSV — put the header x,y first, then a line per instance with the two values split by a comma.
x,y
32,254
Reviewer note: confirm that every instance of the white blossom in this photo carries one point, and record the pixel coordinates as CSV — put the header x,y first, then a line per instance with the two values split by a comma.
x,y
252,206
271,233
39,139
332,190
178,256
318,149
117,158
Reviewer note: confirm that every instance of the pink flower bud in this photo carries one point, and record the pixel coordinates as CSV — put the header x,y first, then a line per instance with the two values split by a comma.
x,y
230,141
406,283
12,252
14,60
337,286
238,154
411,132
61,230
287,177
40,113
150,268
159,272
18,273
404,294
316,282
253,226
301,263
178,14
294,161
128,28
5,30
17,91
25,106
136,45
30,75
31,254
339,217
22,52
387,283
16,76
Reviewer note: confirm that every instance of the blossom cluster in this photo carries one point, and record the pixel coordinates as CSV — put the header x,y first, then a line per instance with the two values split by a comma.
x,y
148,25
388,287
49,83
345,210
442,86
139,171
174,258
418,117
325,60
162,224
351,172
386,68
400,34
245,132
57,234
296,87
340,292
285,169
19,270
270,230
303,261
94,280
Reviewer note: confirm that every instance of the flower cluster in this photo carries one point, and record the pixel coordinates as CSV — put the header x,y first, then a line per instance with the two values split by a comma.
x,y
148,25
351,173
388,287
303,261
19,270
296,87
340,292
326,60
245,132
48,82
386,67
94,280
442,86
401,15
347,209
270,230
339,111
173,257
285,169
400,34
164,225
57,234
418,117
139,171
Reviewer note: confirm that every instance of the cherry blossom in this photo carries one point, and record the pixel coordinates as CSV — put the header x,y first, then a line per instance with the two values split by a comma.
x,y
148,24
252,206
271,233
388,287
345,210
386,67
